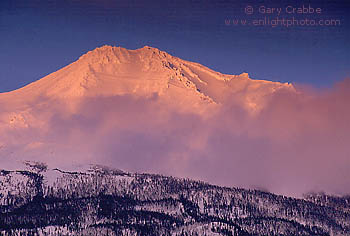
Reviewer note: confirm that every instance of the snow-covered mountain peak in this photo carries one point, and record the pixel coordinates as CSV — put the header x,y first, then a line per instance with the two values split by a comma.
x,y
111,71
244,75
110,54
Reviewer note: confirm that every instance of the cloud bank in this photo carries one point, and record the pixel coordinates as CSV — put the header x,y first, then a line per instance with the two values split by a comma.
x,y
298,143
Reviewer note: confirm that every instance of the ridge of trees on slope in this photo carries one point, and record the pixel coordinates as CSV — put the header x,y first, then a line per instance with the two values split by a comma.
x,y
112,202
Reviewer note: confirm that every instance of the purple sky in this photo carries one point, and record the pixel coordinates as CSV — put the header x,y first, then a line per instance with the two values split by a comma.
x,y
38,37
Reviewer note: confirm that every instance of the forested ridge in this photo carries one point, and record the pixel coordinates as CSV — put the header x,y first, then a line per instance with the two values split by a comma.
x,y
103,201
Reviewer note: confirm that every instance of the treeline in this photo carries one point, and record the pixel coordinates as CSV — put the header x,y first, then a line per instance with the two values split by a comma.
x,y
101,201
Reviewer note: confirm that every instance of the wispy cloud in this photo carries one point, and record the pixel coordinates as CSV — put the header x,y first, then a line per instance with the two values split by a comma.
x,y
297,143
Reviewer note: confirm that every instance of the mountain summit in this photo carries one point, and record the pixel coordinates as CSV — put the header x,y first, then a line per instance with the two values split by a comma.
x,y
143,96
110,71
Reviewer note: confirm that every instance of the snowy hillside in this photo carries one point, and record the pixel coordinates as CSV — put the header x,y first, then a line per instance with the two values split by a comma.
x,y
103,201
